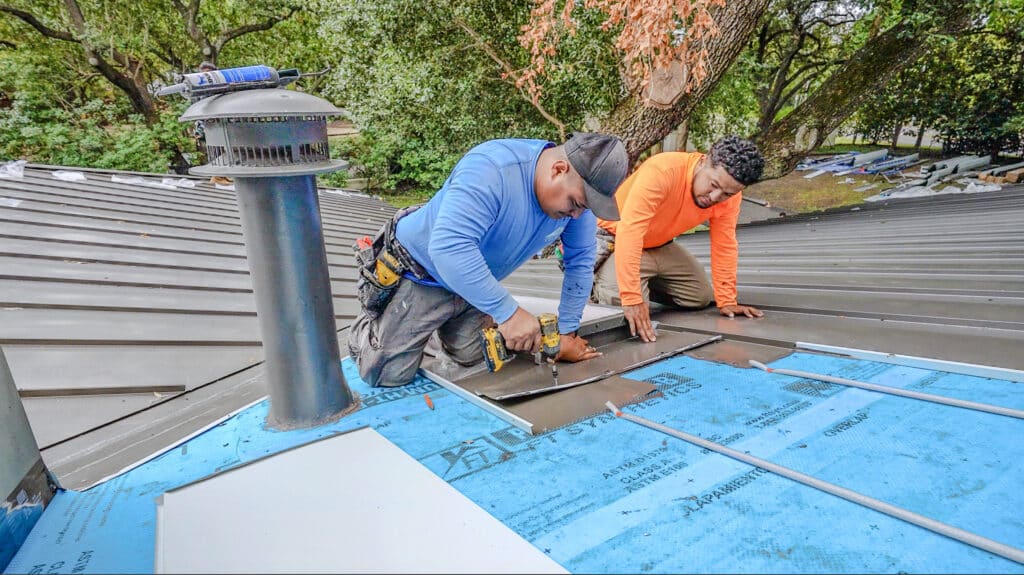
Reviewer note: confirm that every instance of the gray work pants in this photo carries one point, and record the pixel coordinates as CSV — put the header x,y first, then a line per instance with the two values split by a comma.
x,y
389,349
669,275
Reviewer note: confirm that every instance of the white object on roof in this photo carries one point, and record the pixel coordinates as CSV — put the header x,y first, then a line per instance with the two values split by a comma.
x,y
178,182
140,181
69,176
350,503
973,186
13,169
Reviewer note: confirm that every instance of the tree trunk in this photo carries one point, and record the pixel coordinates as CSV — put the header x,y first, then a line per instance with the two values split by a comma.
x,y
920,137
896,135
844,92
640,125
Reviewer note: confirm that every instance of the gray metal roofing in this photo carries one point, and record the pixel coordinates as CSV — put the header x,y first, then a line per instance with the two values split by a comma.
x,y
119,285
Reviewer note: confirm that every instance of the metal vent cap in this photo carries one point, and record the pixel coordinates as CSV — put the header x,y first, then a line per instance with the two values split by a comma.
x,y
259,103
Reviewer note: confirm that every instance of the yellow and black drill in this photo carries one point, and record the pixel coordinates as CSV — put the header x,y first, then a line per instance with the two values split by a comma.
x,y
497,355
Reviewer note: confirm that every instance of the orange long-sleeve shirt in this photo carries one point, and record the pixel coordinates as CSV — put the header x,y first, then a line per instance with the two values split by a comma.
x,y
656,205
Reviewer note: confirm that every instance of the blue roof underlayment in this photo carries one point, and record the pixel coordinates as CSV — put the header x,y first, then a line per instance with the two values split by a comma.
x,y
607,495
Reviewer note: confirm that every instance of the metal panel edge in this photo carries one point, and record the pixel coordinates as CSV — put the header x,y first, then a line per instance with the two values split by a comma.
x,y
920,362
480,402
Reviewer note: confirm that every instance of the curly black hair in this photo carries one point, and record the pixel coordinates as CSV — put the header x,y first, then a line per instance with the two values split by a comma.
x,y
739,157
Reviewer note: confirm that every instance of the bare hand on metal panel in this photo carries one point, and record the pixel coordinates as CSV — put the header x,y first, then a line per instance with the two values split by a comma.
x,y
735,310
521,332
573,348
639,319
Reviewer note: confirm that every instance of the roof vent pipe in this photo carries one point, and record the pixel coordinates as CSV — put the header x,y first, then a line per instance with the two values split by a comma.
x,y
273,141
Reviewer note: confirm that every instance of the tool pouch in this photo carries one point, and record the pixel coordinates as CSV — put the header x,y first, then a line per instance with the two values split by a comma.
x,y
381,264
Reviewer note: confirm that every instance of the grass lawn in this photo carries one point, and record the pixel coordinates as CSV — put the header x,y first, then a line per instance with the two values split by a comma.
x,y
794,194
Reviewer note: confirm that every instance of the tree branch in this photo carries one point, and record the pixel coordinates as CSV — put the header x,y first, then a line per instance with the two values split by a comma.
x,y
168,55
43,29
269,23
189,14
509,71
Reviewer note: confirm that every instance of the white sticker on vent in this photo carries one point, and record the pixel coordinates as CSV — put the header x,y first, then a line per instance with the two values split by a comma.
x,y
9,202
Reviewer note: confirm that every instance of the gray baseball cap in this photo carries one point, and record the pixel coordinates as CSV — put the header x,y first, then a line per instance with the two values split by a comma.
x,y
602,162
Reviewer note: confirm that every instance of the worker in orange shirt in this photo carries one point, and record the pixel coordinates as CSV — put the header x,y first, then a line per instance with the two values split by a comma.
x,y
667,195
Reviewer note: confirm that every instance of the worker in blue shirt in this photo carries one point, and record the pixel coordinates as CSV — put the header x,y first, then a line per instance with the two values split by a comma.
x,y
504,201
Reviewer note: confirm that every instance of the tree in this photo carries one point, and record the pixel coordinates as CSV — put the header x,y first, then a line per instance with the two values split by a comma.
x,y
641,125
427,80
651,35
970,89
58,114
787,140
131,43
798,43
982,104
57,106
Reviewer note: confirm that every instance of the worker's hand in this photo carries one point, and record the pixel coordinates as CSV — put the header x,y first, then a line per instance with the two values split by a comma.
x,y
639,319
521,332
573,348
735,310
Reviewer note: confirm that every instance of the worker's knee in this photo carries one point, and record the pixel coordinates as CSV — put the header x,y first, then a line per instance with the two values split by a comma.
x,y
704,297
693,297
386,374
465,353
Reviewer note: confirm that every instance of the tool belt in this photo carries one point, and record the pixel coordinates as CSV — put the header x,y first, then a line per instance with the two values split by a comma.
x,y
381,263
605,248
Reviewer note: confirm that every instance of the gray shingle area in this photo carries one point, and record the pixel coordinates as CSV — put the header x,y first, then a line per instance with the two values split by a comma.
x,y
129,289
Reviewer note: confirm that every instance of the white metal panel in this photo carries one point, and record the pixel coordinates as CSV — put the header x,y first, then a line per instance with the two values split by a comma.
x,y
350,503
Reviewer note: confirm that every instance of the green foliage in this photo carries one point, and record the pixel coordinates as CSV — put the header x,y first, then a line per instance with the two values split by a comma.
x,y
970,89
423,90
56,108
798,45
52,116
731,108
96,135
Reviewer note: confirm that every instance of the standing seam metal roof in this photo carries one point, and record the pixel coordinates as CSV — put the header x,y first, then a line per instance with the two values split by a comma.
x,y
128,288
112,286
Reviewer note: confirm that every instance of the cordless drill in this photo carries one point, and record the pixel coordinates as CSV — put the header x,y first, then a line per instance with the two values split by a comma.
x,y
497,355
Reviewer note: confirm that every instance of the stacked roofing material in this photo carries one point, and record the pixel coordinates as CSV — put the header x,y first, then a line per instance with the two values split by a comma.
x,y
960,169
1012,174
875,162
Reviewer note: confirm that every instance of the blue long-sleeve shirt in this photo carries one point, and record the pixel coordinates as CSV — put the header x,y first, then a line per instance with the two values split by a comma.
x,y
486,221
